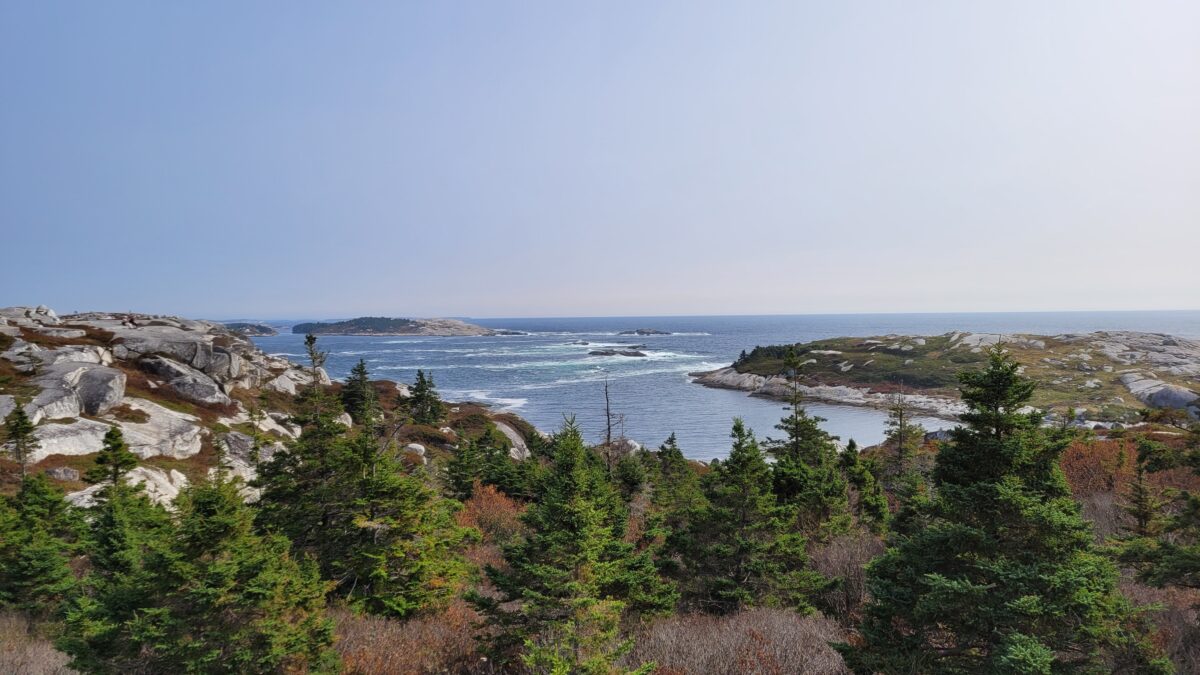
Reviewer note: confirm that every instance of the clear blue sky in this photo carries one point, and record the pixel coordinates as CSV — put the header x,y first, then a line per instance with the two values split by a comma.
x,y
282,159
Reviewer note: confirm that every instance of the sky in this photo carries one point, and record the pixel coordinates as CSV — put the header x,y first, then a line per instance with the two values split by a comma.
x,y
508,159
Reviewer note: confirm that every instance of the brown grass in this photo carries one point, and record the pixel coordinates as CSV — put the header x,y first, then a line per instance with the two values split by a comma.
x,y
24,651
1175,621
758,641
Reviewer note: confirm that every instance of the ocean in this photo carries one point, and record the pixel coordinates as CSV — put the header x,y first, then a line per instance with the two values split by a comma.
x,y
548,375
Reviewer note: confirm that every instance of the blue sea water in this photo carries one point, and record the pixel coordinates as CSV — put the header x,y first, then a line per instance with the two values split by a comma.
x,y
548,374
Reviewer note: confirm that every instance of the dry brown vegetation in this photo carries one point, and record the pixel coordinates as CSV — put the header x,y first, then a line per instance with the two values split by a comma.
x,y
443,642
758,642
24,651
845,558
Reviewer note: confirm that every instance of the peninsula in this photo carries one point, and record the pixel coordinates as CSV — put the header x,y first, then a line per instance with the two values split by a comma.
x,y
1105,376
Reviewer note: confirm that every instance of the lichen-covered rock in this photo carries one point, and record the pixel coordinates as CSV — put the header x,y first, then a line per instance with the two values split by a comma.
x,y
63,473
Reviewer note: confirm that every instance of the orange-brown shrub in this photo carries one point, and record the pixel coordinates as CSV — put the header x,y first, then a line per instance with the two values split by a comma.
x,y
757,641
493,513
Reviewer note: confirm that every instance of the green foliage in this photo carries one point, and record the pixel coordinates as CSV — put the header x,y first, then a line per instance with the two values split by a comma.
x,y
424,406
573,574
1001,575
743,550
19,441
39,534
870,503
126,531
1166,550
384,536
359,397
114,461
212,597
806,474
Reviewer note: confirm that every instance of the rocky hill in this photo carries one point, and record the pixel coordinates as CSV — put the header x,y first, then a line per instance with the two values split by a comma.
x,y
1107,376
379,325
176,387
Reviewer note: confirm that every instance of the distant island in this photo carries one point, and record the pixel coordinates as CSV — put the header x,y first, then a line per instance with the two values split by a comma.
x,y
644,331
380,325
1105,376
251,329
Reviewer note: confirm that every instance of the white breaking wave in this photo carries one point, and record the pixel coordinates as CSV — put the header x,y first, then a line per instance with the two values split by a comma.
x,y
483,396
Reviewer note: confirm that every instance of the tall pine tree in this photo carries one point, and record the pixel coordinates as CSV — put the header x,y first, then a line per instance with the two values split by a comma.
x,y
1002,575
358,396
19,440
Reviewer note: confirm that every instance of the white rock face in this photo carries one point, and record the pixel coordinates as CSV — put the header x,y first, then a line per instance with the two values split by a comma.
x,y
81,437
7,405
162,487
519,450
167,432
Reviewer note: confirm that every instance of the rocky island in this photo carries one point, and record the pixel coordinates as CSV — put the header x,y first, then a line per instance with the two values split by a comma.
x,y
644,331
250,329
380,325
1105,376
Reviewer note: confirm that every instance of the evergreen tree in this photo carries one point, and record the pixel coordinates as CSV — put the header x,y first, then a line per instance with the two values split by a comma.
x,y
39,534
1003,575
806,474
1168,554
902,443
19,441
359,397
677,500
744,549
870,503
463,469
114,461
402,553
572,577
424,405
126,530
221,599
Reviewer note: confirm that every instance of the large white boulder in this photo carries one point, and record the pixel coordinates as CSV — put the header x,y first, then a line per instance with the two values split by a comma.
x,y
165,431
81,437
162,487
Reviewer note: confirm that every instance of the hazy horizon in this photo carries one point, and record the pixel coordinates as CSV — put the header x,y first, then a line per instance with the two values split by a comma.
x,y
616,159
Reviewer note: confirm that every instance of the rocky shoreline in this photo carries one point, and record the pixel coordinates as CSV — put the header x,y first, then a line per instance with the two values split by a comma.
x,y
780,389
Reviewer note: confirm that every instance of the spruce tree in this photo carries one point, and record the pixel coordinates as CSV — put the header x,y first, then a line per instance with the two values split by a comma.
x,y
401,553
870,500
358,396
424,405
1002,574
463,469
1168,554
573,576
39,534
126,531
745,551
806,474
213,598
19,441
114,461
